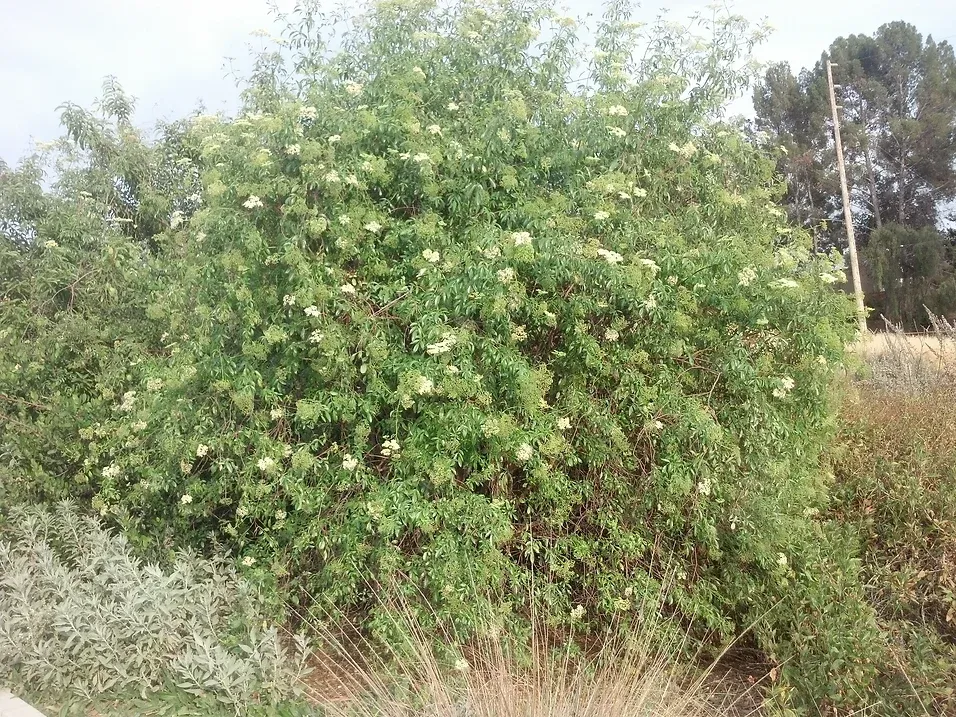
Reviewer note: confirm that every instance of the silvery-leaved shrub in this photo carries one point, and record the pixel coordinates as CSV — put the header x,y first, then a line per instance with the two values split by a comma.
x,y
80,616
460,305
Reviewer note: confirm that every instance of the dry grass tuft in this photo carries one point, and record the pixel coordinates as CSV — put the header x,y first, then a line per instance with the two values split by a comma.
x,y
616,677
921,362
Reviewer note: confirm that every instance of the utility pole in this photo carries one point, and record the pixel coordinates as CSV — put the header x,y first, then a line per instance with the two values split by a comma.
x,y
847,212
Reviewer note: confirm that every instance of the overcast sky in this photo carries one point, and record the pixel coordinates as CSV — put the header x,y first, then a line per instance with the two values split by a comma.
x,y
170,54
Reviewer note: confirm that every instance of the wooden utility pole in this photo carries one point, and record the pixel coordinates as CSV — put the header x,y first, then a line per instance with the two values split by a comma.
x,y
847,212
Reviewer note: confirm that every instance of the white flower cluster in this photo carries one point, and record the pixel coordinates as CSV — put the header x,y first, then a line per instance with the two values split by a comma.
x,y
524,452
617,111
202,450
601,216
293,150
253,202
316,337
248,561
129,399
651,264
348,288
50,244
154,384
564,423
616,132
431,256
434,129
349,463
784,386
112,471
390,448
786,284
288,300
186,499
611,335
506,275
276,413
686,151
312,310
354,88
373,227
521,238
308,113
448,340
425,385
611,257
266,464
577,614
746,276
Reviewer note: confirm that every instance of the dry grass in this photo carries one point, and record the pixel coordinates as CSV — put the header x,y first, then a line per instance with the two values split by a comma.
x,y
896,483
919,362
616,677
926,347
898,478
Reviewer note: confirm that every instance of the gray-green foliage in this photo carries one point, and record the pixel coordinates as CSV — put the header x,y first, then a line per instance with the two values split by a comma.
x,y
80,615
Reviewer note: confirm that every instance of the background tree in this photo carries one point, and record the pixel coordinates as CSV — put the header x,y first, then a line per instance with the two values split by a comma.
x,y
910,268
898,98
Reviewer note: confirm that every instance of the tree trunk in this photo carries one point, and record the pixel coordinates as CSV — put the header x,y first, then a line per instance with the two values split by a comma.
x,y
902,182
872,181
869,170
902,176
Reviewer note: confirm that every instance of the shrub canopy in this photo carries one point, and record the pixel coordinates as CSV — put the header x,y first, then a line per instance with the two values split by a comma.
x,y
459,304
